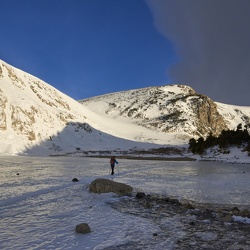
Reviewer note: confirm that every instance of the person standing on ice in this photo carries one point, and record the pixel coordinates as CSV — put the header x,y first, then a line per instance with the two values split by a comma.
x,y
113,161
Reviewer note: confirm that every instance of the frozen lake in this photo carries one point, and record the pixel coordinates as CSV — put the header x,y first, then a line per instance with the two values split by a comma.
x,y
40,207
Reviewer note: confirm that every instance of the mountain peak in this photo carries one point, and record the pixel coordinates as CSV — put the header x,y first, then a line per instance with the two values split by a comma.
x,y
164,109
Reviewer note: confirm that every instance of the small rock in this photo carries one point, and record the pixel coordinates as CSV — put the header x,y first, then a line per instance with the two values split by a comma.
x,y
227,218
196,212
174,201
235,209
235,212
147,204
188,206
83,228
140,195
245,213
208,214
75,180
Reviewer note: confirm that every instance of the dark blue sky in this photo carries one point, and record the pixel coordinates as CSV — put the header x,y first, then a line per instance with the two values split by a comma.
x,y
85,47
90,47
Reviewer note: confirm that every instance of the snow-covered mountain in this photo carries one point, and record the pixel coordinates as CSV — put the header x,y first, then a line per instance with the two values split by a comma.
x,y
37,119
167,110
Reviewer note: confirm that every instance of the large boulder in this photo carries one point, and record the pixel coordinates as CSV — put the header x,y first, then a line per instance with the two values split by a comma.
x,y
106,186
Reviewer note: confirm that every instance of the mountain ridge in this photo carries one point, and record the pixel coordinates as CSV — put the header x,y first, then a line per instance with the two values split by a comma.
x,y
170,108
37,119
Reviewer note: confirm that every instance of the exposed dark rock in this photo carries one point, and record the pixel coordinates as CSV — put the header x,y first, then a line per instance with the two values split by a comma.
x,y
83,228
245,213
140,195
208,118
75,180
235,211
174,201
107,186
188,206
227,218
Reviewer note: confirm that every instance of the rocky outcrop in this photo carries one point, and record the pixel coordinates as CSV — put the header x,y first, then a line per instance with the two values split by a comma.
x,y
208,119
3,118
107,186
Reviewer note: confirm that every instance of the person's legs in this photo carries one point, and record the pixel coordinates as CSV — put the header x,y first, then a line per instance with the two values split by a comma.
x,y
112,169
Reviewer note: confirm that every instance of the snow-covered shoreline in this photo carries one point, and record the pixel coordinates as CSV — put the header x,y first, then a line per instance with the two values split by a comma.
x,y
41,206
203,224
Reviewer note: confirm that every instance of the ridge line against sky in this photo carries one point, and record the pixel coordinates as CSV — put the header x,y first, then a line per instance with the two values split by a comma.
x,y
87,48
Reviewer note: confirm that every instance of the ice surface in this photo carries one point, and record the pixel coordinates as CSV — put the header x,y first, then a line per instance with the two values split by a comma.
x,y
40,206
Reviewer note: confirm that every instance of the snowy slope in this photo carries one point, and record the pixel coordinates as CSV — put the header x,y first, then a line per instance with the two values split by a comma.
x,y
169,114
234,115
31,110
166,113
38,119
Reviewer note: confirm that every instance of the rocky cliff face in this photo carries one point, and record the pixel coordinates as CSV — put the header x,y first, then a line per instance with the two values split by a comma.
x,y
207,118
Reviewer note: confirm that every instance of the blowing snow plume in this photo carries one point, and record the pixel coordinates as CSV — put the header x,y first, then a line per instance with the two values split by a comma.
x,y
211,39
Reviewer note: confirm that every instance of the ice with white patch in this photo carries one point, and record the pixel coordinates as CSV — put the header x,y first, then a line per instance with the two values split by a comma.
x,y
40,206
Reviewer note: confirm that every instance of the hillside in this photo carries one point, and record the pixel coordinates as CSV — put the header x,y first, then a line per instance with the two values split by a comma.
x,y
172,113
37,119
